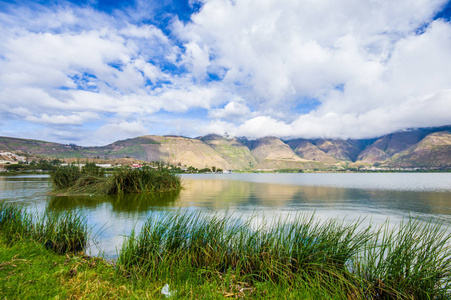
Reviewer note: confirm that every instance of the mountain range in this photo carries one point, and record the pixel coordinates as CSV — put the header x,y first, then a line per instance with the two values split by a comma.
x,y
423,147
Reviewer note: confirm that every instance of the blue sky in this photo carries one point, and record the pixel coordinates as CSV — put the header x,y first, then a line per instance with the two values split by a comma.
x,y
92,72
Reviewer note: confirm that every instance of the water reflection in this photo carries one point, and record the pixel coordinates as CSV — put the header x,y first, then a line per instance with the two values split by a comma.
x,y
240,195
24,188
118,203
327,195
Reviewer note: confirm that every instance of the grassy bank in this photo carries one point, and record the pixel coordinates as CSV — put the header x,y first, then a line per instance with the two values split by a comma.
x,y
29,271
92,180
60,232
410,261
213,257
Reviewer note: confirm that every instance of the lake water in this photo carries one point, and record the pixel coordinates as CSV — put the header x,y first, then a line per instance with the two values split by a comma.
x,y
372,196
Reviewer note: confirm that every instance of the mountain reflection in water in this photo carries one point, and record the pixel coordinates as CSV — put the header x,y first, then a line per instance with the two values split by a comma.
x,y
373,197
136,203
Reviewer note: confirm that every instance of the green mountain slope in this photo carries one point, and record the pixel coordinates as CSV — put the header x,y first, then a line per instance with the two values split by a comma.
x,y
430,147
305,149
432,151
345,150
169,149
232,150
272,153
41,148
387,146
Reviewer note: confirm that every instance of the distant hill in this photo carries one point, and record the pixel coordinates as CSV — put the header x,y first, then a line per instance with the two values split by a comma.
x,y
272,153
434,150
36,147
424,147
237,154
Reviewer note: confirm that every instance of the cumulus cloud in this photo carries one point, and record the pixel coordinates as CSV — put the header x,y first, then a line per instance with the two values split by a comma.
x,y
71,67
118,131
363,61
234,111
74,119
369,67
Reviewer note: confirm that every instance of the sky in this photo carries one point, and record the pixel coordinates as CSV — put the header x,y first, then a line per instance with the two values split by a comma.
x,y
92,72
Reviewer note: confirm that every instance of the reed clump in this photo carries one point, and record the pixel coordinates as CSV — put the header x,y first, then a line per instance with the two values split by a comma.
x,y
411,261
92,180
61,232
65,177
142,181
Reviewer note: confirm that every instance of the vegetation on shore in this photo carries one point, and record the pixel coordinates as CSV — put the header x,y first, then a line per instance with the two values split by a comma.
x,y
213,256
91,179
41,165
61,232
410,261
29,271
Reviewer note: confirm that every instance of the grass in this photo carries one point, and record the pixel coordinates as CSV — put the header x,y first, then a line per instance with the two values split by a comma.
x,y
62,232
90,180
215,257
411,261
29,271
138,181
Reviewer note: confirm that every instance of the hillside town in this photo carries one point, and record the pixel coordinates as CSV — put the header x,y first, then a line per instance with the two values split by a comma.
x,y
13,162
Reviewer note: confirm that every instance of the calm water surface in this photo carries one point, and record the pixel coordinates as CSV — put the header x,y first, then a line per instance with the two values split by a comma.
x,y
374,197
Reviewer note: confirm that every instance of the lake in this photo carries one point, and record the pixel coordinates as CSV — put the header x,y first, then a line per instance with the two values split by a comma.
x,y
373,197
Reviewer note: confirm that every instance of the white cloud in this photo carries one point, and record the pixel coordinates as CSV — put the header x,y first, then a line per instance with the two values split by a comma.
x,y
284,51
197,60
264,126
117,131
250,63
74,119
235,111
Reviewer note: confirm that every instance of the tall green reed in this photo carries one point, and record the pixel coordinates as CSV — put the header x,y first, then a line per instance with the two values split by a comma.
x,y
277,252
142,181
15,222
65,177
411,261
123,181
62,232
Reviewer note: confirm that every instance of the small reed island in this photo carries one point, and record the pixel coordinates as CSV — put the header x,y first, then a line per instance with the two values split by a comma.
x,y
92,180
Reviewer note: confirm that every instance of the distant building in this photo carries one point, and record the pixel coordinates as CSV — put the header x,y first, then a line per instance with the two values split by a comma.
x,y
11,157
104,165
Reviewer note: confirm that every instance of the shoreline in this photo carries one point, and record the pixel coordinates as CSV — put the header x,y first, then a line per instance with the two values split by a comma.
x,y
190,251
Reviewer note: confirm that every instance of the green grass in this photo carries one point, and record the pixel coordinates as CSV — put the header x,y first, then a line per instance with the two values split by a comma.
x,y
141,181
29,271
90,180
62,232
411,261
135,151
299,253
204,256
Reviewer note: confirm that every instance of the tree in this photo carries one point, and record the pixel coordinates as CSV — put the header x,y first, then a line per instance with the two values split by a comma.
x,y
92,169
205,170
191,170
